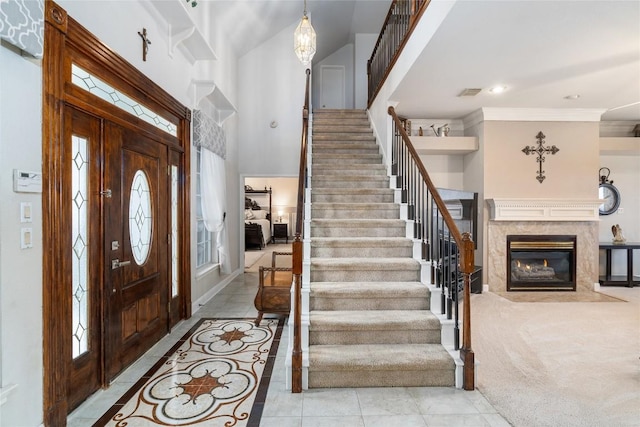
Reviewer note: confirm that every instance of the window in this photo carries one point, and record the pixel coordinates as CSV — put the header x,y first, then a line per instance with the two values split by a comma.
x,y
204,239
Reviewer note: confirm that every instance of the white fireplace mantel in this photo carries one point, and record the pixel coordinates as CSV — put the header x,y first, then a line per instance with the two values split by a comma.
x,y
544,209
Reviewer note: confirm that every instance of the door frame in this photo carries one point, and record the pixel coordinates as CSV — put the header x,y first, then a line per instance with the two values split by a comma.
x,y
67,40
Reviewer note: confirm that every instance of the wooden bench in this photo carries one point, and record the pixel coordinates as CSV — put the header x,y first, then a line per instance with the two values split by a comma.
x,y
274,289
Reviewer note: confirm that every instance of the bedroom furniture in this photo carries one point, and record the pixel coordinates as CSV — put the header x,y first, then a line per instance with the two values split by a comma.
x,y
253,237
274,289
258,211
280,231
628,280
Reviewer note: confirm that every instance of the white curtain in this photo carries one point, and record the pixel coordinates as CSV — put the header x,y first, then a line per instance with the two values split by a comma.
x,y
214,203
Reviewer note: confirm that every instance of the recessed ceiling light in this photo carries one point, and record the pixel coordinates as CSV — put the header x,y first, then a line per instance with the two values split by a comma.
x,y
576,96
498,89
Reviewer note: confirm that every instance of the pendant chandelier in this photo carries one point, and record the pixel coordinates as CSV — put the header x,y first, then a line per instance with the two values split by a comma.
x,y
304,39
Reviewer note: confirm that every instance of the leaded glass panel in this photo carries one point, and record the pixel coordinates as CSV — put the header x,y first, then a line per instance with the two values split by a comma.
x,y
102,90
174,230
140,217
79,246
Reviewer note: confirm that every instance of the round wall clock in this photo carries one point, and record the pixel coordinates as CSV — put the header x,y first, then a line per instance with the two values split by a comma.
x,y
609,193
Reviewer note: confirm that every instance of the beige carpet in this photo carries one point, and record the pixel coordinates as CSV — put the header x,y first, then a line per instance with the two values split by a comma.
x,y
560,364
251,257
265,259
581,296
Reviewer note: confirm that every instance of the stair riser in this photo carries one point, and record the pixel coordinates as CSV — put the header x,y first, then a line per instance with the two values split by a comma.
x,y
347,169
372,378
392,213
319,231
356,303
355,198
350,160
366,252
374,337
354,121
329,129
346,150
322,182
344,138
369,275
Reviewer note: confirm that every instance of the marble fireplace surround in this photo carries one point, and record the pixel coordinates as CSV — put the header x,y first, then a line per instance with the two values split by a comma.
x,y
577,217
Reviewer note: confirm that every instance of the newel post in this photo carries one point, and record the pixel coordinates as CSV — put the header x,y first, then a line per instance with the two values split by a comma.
x,y
296,355
466,353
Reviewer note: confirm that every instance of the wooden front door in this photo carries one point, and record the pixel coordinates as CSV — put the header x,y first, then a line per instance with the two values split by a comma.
x,y
116,236
136,237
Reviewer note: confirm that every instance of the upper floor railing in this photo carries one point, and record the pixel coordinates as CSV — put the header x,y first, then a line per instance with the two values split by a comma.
x,y
400,22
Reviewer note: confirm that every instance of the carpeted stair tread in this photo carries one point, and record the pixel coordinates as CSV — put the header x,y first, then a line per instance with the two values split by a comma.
x,y
347,264
379,357
359,222
355,227
331,146
344,137
340,296
355,242
353,191
373,320
347,169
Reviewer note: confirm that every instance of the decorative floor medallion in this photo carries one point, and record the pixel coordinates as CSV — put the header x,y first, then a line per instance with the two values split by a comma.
x,y
210,378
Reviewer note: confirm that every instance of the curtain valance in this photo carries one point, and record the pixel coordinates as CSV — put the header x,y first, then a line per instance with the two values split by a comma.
x,y
208,134
22,25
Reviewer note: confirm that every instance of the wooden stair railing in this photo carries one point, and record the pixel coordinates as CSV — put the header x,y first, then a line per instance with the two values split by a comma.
x,y
450,253
400,22
297,250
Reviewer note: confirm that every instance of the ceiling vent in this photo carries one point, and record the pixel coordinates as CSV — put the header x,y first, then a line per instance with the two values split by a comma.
x,y
470,92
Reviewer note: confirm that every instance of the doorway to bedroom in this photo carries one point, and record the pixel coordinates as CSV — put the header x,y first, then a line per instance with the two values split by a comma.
x,y
269,212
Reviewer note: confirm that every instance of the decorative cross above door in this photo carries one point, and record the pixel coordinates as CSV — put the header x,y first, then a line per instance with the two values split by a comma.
x,y
145,43
540,151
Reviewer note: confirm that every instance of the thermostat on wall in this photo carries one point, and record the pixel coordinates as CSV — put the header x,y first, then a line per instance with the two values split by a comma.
x,y
27,182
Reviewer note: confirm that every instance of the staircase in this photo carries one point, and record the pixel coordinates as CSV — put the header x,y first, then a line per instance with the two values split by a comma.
x,y
369,319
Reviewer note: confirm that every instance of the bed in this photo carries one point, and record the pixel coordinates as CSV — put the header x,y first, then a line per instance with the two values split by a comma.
x,y
257,218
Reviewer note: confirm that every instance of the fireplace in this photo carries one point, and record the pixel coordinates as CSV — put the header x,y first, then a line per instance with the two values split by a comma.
x,y
541,263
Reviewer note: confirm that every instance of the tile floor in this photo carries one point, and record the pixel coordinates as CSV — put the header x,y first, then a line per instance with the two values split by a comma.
x,y
357,407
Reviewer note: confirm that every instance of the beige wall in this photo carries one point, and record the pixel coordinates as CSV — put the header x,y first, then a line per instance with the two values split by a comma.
x,y
570,173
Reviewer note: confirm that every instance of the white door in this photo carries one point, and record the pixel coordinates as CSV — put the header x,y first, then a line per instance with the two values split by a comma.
x,y
332,92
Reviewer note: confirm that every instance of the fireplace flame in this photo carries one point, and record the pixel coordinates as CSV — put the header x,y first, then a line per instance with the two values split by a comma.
x,y
545,263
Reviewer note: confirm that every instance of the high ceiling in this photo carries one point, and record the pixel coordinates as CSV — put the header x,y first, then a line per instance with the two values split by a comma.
x,y
250,22
542,51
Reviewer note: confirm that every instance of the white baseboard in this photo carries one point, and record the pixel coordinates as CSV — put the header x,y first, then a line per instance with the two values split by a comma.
x,y
485,288
195,306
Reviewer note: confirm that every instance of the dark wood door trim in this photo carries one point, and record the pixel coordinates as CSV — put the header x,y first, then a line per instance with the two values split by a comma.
x,y
66,39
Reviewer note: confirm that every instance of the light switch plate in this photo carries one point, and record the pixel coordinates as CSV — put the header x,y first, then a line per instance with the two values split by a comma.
x,y
26,238
25,212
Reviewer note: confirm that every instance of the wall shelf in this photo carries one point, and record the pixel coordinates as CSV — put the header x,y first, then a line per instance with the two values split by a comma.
x,y
209,90
620,146
445,145
183,32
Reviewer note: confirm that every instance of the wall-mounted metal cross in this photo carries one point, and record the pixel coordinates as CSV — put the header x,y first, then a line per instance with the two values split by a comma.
x,y
540,150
